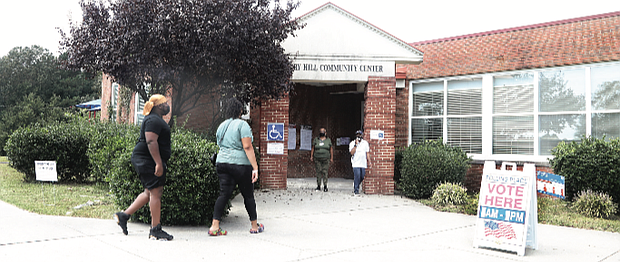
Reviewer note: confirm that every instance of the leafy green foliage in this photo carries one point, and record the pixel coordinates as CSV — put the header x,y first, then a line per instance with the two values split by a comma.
x,y
471,207
592,164
450,194
192,185
594,204
107,141
198,48
34,89
65,143
428,164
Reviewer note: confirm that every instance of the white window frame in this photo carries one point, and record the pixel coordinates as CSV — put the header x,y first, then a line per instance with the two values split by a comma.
x,y
487,110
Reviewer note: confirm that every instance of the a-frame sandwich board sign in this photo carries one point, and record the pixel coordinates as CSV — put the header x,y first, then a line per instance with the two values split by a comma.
x,y
507,208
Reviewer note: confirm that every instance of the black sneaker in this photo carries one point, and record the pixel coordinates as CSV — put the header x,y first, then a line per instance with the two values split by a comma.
x,y
325,189
318,188
121,219
158,234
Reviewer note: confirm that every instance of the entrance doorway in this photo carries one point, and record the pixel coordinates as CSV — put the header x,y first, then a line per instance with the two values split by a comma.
x,y
337,108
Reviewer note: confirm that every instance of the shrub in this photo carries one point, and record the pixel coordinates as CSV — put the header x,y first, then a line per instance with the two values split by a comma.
x,y
192,185
450,194
107,141
471,207
65,143
427,164
592,164
595,204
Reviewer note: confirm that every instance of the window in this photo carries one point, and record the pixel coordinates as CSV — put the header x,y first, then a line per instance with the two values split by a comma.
x,y
465,101
428,99
513,122
524,113
561,92
427,122
513,135
466,133
555,128
139,109
605,83
114,102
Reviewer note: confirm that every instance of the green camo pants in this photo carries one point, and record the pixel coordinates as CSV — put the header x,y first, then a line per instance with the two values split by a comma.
x,y
322,166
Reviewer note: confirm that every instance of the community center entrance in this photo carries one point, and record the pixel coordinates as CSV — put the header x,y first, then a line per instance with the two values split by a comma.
x,y
345,80
337,108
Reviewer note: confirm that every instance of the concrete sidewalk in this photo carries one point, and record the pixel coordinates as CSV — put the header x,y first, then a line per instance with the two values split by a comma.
x,y
300,225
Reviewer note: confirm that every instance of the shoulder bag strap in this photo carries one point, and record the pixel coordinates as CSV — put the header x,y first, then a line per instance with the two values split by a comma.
x,y
220,141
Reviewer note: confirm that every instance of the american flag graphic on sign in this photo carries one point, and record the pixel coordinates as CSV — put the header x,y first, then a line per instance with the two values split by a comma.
x,y
499,230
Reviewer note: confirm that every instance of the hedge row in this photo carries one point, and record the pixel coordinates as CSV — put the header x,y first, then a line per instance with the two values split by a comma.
x,y
101,152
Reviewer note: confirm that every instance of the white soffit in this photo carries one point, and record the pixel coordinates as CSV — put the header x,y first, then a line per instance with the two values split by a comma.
x,y
335,34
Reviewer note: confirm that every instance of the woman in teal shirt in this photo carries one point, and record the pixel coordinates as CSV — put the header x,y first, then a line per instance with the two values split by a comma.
x,y
235,165
322,154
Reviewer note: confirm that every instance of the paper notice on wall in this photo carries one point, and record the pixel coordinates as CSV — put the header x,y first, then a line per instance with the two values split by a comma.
x,y
305,137
292,136
275,148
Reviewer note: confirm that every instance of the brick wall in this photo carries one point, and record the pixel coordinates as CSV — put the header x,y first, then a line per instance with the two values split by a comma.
x,y
380,114
402,117
567,42
273,168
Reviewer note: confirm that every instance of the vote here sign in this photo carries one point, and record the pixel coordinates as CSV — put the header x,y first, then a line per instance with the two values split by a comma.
x,y
505,207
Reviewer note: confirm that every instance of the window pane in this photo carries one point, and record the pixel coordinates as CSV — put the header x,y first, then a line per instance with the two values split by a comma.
x,y
513,93
426,129
513,135
465,97
605,87
466,133
556,128
428,99
562,90
606,125
140,109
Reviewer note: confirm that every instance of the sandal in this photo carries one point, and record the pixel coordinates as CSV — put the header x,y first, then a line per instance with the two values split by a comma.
x,y
218,232
260,229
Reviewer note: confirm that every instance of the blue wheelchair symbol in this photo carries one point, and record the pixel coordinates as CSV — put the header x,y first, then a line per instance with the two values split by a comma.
x,y
275,132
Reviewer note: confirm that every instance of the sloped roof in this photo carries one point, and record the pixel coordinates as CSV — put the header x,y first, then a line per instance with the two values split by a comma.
x,y
582,40
335,33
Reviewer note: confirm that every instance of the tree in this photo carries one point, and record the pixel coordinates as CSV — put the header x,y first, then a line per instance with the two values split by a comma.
x,y
196,48
34,88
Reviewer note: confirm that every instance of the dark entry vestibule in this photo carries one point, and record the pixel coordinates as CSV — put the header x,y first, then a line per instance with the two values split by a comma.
x,y
336,107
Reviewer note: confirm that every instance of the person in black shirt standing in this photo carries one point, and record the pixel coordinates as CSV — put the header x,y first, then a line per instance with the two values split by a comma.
x,y
149,159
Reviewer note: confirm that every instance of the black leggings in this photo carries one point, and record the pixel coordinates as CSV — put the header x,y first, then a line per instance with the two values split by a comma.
x,y
231,175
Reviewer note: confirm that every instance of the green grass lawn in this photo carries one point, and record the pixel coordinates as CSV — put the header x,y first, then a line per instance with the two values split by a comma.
x,y
52,198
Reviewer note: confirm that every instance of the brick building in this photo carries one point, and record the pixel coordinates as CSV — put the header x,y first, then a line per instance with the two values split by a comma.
x,y
505,95
514,94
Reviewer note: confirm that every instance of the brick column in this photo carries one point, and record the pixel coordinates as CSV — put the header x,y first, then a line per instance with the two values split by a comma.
x,y
273,168
380,114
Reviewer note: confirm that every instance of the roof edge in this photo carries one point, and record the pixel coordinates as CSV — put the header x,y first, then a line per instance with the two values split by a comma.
x,y
519,28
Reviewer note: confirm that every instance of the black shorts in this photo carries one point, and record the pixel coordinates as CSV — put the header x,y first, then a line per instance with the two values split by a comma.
x,y
146,170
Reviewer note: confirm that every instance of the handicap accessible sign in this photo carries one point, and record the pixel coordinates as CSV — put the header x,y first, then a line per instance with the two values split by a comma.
x,y
275,132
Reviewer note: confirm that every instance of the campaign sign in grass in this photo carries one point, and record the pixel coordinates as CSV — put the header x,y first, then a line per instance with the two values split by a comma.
x,y
45,171
506,217
550,184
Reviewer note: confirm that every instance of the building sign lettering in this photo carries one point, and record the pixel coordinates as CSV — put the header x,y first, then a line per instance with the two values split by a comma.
x,y
339,68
